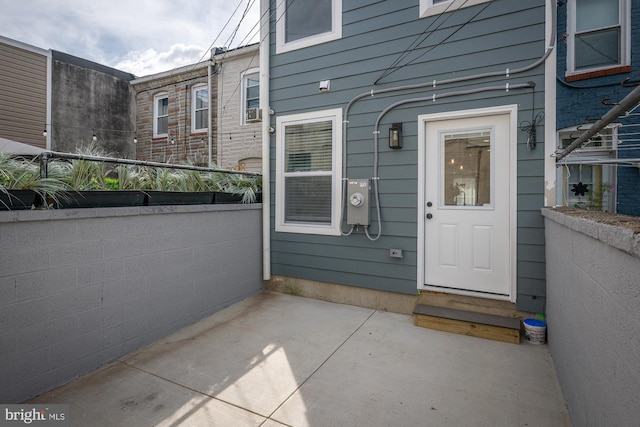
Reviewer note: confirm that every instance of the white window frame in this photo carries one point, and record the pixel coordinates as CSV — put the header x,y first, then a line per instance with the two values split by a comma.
x,y
625,38
332,229
243,98
334,34
156,116
428,8
194,91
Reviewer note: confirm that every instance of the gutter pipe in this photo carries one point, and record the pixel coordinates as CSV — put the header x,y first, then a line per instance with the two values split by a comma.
x,y
210,124
266,137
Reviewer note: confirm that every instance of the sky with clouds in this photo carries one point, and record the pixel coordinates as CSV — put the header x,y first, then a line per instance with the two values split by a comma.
x,y
138,36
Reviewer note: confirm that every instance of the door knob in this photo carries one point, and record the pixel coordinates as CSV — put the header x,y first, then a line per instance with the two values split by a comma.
x,y
429,204
429,216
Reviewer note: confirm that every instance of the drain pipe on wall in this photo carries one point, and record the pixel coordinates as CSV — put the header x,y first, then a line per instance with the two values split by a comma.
x,y
266,136
209,124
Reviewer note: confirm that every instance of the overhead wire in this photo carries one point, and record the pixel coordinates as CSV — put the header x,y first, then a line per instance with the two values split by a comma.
x,y
452,34
417,43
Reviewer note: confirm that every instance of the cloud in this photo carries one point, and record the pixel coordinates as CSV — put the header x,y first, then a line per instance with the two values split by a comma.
x,y
150,61
142,36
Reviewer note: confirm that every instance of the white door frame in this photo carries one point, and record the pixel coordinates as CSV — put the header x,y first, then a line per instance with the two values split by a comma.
x,y
512,110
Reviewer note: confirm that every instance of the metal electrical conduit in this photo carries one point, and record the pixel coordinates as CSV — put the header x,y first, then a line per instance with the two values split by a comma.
x,y
376,132
506,73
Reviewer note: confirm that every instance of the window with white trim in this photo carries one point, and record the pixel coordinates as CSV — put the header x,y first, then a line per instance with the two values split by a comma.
x,y
199,108
436,7
160,115
308,172
303,23
250,107
597,35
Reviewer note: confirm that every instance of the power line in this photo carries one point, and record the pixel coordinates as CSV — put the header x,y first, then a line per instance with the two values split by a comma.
x,y
416,43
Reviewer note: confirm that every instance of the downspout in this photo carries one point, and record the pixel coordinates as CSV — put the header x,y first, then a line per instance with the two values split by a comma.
x,y
266,136
210,121
628,102
48,125
550,69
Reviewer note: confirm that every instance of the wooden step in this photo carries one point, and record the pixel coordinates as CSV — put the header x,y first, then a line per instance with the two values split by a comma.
x,y
481,325
470,303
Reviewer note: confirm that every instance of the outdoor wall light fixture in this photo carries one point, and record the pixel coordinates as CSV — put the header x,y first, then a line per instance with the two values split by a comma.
x,y
325,85
395,136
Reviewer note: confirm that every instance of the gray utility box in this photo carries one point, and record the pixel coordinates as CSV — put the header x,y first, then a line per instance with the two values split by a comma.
x,y
358,197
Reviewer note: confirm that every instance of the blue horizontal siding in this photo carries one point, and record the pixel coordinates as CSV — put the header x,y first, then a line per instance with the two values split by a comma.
x,y
505,34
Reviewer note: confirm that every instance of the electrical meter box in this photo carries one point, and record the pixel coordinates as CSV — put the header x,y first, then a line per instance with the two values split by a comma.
x,y
358,197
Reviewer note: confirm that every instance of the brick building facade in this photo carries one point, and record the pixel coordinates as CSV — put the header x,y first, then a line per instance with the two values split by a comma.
x,y
165,107
582,97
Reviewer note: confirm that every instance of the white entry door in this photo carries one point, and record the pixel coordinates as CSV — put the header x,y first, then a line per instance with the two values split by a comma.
x,y
468,245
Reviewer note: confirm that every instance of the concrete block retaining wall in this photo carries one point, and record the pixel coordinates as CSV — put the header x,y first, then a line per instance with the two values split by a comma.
x,y
593,301
82,287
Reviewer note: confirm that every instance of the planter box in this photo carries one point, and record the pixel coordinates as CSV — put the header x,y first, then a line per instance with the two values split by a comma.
x,y
18,199
155,198
222,198
100,199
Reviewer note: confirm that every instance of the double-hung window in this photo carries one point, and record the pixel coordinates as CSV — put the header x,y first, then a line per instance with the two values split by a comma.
x,y
436,7
160,115
302,23
251,96
199,108
598,35
308,172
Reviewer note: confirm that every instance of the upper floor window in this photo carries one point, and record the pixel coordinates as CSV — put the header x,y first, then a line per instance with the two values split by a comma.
x,y
199,108
251,96
308,173
436,7
302,23
161,115
598,35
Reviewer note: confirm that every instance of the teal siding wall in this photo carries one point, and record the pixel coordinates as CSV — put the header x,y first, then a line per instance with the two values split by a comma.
x,y
487,37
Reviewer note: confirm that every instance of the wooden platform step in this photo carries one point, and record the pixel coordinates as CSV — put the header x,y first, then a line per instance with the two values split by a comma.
x,y
481,325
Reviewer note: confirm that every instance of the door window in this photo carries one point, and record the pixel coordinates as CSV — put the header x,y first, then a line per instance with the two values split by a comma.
x,y
467,170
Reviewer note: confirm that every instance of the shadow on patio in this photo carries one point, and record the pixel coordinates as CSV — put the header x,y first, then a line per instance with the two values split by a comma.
x,y
276,359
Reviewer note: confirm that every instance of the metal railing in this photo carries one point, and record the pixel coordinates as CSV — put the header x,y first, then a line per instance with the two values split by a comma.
x,y
47,156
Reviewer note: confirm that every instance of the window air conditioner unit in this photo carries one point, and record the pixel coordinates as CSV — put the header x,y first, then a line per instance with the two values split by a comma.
x,y
254,114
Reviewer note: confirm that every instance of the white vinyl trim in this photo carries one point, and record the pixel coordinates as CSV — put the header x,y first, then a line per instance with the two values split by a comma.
x,y
334,34
427,8
333,229
512,110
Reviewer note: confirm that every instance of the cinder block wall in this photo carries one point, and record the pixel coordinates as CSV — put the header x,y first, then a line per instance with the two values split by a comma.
x,y
80,288
593,297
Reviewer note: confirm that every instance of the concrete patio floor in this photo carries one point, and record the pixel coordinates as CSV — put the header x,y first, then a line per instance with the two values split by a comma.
x,y
276,359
